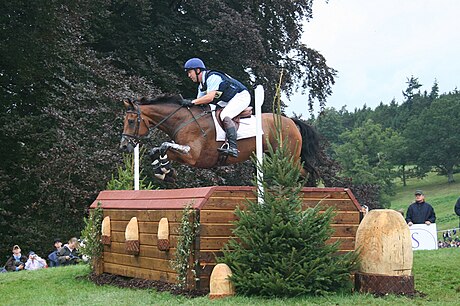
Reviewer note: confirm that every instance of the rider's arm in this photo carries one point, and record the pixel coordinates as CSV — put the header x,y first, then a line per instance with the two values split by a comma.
x,y
206,99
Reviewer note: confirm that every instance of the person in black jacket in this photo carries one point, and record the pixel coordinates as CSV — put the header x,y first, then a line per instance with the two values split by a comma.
x,y
17,261
457,210
457,207
68,254
420,211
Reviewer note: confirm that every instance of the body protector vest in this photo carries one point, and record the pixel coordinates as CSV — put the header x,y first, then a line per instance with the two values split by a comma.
x,y
227,89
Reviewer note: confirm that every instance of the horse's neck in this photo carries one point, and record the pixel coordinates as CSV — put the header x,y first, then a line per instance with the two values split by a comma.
x,y
166,117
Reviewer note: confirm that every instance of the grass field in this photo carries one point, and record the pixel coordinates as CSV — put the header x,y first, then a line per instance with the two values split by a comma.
x,y
441,195
436,275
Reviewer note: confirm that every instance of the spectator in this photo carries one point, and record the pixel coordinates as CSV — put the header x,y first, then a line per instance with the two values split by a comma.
x,y
68,254
53,256
17,261
35,262
420,211
457,207
457,210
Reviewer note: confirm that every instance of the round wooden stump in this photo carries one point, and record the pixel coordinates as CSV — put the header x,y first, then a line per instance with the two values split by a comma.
x,y
384,284
220,284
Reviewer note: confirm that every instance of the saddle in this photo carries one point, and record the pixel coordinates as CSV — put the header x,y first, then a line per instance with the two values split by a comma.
x,y
246,113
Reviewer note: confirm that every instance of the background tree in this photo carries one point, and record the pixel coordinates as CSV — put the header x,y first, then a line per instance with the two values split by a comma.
x,y
432,134
365,156
64,67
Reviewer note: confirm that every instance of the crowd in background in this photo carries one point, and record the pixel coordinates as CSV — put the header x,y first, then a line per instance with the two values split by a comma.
x,y
62,255
450,239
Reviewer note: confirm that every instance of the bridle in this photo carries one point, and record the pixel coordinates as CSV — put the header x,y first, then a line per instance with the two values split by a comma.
x,y
134,139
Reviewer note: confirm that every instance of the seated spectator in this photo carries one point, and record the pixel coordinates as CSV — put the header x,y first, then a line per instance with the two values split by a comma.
x,y
17,261
68,254
53,256
35,262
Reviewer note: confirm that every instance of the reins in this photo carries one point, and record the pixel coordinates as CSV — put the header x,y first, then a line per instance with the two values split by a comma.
x,y
180,127
136,135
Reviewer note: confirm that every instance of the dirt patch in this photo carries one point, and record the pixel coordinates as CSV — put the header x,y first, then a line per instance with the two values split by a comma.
x,y
138,283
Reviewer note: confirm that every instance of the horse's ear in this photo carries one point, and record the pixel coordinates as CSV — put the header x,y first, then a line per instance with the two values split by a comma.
x,y
128,103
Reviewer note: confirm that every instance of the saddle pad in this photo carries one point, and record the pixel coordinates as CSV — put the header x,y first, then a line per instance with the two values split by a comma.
x,y
247,127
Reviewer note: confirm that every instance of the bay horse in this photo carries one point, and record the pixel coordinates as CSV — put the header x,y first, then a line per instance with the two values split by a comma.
x,y
193,135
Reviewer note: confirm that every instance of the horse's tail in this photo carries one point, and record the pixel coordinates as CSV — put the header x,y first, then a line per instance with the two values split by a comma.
x,y
310,150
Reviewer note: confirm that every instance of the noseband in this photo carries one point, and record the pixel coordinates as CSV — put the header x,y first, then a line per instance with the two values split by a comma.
x,y
134,139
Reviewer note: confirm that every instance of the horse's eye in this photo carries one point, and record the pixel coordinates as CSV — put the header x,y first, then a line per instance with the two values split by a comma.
x,y
131,122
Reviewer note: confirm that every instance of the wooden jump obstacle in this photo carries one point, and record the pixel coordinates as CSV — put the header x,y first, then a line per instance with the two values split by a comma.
x,y
135,252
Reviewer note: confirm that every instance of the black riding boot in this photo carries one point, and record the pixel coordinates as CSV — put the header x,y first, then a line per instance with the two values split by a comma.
x,y
230,130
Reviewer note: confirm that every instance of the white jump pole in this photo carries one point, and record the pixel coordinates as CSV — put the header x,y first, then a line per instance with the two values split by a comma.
x,y
259,100
136,167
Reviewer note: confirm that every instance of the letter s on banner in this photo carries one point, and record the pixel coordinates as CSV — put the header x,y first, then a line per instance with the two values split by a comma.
x,y
416,241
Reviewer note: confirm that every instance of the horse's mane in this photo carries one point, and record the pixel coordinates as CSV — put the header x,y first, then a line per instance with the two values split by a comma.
x,y
167,98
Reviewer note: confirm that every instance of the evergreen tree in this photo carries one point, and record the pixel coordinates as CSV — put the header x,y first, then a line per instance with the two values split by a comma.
x,y
280,249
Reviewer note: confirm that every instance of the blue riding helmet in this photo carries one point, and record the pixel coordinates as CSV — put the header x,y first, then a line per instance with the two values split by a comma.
x,y
194,63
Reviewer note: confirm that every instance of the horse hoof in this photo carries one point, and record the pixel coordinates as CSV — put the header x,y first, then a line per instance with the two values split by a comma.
x,y
171,176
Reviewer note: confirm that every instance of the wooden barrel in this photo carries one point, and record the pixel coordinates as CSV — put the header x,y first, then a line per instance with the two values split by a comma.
x,y
384,242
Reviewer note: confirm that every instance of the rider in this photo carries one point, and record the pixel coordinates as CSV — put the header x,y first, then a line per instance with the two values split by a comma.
x,y
221,89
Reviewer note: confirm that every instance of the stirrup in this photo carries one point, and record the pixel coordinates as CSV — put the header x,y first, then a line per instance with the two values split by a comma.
x,y
227,150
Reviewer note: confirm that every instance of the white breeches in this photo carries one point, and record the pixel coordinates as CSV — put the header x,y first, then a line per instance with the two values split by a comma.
x,y
236,105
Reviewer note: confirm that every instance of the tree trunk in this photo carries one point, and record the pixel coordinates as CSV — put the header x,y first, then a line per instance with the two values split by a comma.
x,y
404,175
450,175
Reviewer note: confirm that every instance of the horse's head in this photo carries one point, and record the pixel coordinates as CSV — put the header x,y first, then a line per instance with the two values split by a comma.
x,y
134,126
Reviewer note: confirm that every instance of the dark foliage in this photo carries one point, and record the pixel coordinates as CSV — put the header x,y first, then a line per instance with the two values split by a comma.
x,y
65,66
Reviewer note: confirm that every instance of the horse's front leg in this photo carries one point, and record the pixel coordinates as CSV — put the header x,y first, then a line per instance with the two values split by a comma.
x,y
183,154
162,167
165,146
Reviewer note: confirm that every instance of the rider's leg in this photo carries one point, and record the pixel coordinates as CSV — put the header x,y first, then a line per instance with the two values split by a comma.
x,y
233,108
230,130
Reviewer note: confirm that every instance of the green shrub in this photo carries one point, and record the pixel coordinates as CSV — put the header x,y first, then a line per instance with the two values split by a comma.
x,y
125,176
188,231
91,235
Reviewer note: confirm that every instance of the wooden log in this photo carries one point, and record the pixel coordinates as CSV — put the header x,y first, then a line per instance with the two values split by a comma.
x,y
139,261
227,216
163,235
217,243
137,272
145,251
145,239
143,215
222,230
132,237
220,285
384,284
105,232
384,241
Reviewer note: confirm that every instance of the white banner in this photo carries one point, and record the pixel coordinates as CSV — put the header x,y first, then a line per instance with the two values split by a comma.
x,y
424,237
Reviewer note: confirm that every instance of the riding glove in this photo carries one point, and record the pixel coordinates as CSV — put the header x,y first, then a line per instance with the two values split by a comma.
x,y
187,102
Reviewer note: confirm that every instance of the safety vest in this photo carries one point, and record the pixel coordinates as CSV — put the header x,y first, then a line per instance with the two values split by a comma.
x,y
228,88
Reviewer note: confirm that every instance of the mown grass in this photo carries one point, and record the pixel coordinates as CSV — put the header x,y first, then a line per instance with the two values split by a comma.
x,y
440,194
436,275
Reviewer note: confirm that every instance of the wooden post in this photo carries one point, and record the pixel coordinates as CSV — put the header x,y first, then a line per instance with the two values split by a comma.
x,y
384,242
220,285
